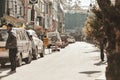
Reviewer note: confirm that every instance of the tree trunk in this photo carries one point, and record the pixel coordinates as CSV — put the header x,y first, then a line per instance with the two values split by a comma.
x,y
113,68
113,57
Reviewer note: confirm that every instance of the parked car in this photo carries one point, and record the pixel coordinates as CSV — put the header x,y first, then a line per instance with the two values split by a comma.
x,y
54,39
71,39
23,44
37,47
64,40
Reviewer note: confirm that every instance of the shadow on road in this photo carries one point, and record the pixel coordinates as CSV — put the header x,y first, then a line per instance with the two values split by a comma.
x,y
5,68
101,63
5,71
92,51
6,74
89,73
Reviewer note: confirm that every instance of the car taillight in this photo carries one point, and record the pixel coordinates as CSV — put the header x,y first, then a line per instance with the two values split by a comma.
x,y
3,49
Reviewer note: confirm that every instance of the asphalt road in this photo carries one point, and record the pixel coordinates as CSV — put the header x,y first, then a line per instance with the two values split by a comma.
x,y
78,61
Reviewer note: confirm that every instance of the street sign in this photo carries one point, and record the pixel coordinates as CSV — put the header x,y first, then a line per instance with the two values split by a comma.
x,y
33,1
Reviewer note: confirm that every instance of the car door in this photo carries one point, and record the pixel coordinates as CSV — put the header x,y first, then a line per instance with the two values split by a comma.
x,y
25,44
3,38
38,42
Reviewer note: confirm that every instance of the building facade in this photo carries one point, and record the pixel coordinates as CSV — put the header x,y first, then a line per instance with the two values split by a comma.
x,y
36,14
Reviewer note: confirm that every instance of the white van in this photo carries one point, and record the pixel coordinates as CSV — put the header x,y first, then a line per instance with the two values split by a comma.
x,y
23,44
54,37
38,44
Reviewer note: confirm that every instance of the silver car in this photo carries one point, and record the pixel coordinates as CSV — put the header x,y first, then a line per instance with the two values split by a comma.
x,y
23,44
37,44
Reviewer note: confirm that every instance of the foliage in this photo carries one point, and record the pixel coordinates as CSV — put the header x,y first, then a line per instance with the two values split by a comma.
x,y
105,21
108,16
94,26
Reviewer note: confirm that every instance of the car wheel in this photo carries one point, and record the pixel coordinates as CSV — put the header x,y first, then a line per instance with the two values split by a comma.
x,y
42,53
2,65
28,59
19,61
35,54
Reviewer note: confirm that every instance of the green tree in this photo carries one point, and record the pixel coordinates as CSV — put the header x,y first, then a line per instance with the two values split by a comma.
x,y
107,22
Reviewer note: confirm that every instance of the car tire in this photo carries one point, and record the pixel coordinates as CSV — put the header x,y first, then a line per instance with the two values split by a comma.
x,y
2,65
28,59
41,55
35,54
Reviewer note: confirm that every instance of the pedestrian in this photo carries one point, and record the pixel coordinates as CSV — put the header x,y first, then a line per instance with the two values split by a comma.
x,y
45,43
102,46
11,44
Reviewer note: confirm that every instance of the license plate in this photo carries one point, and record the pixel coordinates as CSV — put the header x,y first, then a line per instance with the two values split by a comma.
x,y
3,49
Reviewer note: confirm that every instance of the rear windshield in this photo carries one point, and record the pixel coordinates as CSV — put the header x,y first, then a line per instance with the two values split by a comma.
x,y
3,35
50,35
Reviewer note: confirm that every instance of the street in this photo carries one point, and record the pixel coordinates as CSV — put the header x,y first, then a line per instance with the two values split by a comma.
x,y
78,61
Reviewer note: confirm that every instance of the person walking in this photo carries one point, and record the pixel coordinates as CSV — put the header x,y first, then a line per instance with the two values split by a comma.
x,y
102,48
11,44
45,43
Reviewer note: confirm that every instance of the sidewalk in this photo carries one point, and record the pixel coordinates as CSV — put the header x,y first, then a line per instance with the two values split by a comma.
x,y
102,77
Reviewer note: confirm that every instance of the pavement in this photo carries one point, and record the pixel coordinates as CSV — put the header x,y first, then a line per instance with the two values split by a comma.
x,y
103,64
78,61
102,76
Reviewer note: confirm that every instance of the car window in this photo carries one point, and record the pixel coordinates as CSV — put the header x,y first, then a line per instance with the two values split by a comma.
x,y
3,35
18,35
26,35
35,35
54,38
22,35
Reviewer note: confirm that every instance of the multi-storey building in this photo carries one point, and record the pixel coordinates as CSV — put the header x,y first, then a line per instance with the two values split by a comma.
x,y
36,13
50,15
2,7
55,17
61,16
45,14
12,11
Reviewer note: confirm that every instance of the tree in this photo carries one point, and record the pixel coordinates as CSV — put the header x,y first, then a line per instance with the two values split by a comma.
x,y
108,19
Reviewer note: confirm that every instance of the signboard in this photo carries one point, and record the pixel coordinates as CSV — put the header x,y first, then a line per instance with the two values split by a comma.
x,y
33,1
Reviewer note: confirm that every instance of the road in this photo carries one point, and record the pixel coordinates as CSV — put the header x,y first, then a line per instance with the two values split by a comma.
x,y
78,61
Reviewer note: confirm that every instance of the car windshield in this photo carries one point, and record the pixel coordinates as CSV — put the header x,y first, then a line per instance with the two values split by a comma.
x,y
50,35
3,35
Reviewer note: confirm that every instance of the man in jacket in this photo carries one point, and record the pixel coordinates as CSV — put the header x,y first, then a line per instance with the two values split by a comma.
x,y
11,44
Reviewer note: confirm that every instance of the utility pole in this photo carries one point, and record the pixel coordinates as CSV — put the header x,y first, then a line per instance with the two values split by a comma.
x,y
33,2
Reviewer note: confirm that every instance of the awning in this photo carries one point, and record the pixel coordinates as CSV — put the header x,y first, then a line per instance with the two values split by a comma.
x,y
13,19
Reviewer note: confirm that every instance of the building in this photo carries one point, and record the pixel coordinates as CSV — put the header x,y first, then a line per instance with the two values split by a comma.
x,y
2,7
45,15
61,15
13,11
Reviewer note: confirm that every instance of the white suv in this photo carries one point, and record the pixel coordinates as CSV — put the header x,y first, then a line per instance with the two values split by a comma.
x,y
54,38
23,44
37,44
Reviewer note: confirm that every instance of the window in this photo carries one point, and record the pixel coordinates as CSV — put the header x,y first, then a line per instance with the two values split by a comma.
x,y
3,35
